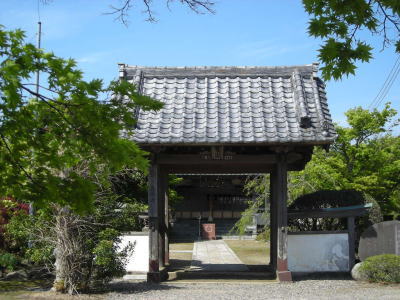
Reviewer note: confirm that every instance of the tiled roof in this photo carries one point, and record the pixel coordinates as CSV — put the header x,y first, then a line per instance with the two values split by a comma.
x,y
232,105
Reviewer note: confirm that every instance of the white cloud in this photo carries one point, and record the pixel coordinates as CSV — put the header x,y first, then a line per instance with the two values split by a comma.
x,y
94,57
264,49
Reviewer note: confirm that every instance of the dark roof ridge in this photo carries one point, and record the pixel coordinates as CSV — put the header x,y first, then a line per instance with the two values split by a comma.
x,y
228,71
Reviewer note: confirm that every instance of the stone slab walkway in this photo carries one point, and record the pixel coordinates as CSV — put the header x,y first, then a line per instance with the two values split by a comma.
x,y
215,255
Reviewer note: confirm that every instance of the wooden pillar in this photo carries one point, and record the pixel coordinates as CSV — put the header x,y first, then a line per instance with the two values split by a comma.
x,y
352,239
273,224
166,220
279,189
153,196
161,218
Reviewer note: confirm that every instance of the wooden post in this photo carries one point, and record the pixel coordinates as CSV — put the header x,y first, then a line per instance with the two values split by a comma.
x,y
153,195
161,218
273,225
351,231
166,220
280,191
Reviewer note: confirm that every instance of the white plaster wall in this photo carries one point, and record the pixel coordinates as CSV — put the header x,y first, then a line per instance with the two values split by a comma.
x,y
138,261
318,252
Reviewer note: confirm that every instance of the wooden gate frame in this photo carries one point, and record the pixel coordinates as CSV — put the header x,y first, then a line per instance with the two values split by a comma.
x,y
277,162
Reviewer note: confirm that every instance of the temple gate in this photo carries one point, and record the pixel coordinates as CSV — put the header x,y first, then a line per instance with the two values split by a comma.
x,y
224,120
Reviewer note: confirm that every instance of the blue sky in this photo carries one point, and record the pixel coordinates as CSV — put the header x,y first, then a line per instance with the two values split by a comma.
x,y
240,33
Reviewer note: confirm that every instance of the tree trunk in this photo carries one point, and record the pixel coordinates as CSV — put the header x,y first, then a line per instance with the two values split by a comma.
x,y
71,258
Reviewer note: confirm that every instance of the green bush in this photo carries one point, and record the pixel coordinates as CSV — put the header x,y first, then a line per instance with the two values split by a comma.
x,y
382,268
8,261
109,260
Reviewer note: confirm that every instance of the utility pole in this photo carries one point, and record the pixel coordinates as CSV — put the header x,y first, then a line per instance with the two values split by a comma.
x,y
39,38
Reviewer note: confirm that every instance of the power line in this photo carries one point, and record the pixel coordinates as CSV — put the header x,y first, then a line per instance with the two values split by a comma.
x,y
384,90
389,86
39,39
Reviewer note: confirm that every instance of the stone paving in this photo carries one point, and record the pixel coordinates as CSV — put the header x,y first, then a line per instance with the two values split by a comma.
x,y
215,256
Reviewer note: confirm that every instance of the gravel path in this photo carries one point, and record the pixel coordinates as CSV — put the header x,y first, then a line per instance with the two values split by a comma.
x,y
307,289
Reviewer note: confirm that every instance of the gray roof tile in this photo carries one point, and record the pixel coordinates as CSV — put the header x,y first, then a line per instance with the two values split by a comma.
x,y
209,105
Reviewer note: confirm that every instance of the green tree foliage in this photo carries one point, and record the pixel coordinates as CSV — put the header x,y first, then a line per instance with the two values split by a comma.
x,y
258,188
339,23
365,157
53,142
96,259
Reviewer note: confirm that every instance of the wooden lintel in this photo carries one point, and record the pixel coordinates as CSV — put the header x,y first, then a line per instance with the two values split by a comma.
x,y
220,169
190,159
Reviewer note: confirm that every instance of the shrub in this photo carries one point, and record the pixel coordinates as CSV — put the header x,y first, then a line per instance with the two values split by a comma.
x,y
382,268
8,261
110,261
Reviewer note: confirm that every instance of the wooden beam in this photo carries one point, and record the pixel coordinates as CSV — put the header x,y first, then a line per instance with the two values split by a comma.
x,y
218,169
194,164
192,159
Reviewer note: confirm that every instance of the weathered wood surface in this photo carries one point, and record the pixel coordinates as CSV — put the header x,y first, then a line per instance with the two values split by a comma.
x,y
161,217
153,194
220,169
166,219
280,198
274,225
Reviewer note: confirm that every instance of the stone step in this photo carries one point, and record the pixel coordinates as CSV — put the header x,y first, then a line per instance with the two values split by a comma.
x,y
247,276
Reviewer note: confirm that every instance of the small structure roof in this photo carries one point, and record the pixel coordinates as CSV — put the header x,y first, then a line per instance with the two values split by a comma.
x,y
232,105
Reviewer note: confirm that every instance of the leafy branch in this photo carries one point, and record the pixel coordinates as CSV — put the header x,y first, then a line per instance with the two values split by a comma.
x,y
338,24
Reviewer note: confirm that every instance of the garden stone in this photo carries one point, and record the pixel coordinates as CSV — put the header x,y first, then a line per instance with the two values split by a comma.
x,y
17,275
356,274
380,238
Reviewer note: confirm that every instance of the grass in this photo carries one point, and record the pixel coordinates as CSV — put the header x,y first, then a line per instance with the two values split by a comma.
x,y
11,285
180,246
250,252
22,289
